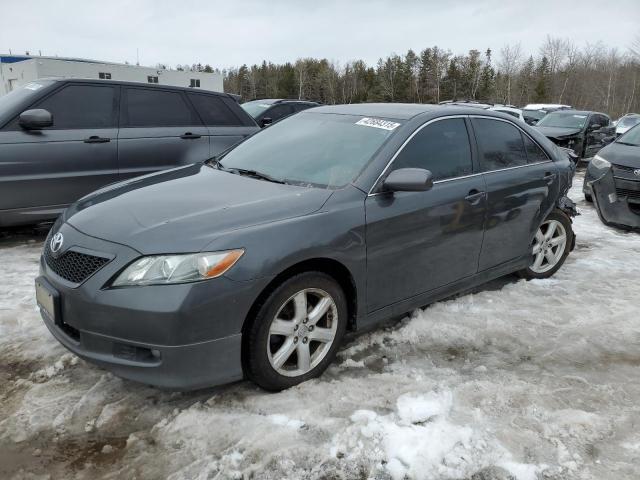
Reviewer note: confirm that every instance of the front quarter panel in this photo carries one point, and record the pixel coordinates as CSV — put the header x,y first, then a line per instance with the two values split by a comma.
x,y
335,232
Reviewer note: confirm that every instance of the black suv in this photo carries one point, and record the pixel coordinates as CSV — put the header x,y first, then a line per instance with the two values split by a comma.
x,y
583,132
61,139
272,110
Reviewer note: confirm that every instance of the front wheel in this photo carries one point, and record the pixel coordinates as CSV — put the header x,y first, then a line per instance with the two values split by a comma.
x,y
550,247
296,331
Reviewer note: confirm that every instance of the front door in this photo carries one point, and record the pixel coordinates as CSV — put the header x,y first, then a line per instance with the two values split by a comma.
x,y
595,136
418,241
55,166
521,185
159,129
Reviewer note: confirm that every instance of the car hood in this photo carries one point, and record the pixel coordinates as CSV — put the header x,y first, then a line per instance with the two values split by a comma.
x,y
619,154
184,209
557,132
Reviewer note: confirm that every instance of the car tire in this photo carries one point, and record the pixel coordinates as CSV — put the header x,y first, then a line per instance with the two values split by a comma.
x,y
286,343
545,247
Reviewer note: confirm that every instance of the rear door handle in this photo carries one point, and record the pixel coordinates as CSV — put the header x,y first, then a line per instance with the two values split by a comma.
x,y
96,139
190,135
474,196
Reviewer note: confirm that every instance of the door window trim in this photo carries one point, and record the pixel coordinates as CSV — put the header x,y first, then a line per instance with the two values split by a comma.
x,y
548,160
59,88
123,118
467,116
409,138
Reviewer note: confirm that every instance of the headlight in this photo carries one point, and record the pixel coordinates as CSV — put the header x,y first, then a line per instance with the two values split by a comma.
x,y
165,269
600,162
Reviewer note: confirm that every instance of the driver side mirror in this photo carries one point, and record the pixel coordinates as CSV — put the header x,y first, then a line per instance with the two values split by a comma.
x,y
35,119
595,127
265,122
409,180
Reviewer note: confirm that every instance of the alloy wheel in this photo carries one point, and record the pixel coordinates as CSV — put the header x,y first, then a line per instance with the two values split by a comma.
x,y
548,246
302,332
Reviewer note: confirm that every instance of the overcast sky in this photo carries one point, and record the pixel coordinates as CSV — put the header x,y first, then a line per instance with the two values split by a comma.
x,y
233,32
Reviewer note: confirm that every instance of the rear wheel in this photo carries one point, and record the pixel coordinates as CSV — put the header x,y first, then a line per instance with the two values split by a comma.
x,y
296,332
550,247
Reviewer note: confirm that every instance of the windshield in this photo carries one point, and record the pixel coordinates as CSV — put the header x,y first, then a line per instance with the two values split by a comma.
x,y
255,108
535,114
632,137
563,120
629,121
17,96
312,149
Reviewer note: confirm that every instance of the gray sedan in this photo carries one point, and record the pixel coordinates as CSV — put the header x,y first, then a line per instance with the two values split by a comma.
x,y
255,264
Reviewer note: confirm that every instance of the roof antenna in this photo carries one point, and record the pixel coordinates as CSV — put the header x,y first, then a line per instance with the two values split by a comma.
x,y
137,57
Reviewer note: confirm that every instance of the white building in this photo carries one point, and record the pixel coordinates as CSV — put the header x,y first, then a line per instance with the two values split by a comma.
x,y
16,70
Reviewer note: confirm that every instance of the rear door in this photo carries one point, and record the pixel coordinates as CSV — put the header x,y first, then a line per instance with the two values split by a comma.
x,y
55,166
522,183
159,129
224,126
418,241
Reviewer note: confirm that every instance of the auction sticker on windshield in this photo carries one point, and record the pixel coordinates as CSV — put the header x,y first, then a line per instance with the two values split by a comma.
x,y
378,123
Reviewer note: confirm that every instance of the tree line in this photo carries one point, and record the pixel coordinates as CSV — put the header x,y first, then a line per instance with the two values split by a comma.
x,y
593,77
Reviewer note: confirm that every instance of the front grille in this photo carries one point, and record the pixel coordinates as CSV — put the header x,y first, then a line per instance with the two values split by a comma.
x,y
75,267
630,194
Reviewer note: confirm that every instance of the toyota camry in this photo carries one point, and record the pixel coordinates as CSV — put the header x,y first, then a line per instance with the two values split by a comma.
x,y
255,264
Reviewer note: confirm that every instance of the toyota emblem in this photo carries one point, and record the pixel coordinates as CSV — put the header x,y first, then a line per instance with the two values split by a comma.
x,y
56,242
636,172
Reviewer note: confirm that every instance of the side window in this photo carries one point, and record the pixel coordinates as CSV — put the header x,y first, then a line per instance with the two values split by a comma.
x,y
278,112
301,106
442,147
213,111
81,107
509,112
500,144
594,120
156,108
534,153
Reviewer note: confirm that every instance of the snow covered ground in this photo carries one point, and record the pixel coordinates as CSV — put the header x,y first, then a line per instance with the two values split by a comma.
x,y
518,380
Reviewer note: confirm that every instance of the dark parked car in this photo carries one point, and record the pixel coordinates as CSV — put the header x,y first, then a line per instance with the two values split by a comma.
x,y
61,139
534,112
271,110
331,220
613,181
583,132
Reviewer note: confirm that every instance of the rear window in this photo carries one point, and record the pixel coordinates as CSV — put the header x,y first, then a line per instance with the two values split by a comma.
x,y
213,111
156,108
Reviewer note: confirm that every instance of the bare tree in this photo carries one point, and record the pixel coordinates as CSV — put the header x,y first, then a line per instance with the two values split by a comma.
x,y
510,61
301,75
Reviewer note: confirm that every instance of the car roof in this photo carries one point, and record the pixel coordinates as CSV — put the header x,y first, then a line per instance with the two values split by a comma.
x,y
546,106
135,84
400,111
578,112
270,101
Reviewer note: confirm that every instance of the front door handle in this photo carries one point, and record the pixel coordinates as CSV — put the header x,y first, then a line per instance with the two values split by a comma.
x,y
548,177
190,135
96,139
474,196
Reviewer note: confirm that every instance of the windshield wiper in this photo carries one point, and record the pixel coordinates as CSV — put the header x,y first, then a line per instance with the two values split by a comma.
x,y
255,174
627,143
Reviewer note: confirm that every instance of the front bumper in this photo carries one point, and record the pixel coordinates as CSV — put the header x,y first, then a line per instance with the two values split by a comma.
x,y
613,209
183,336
